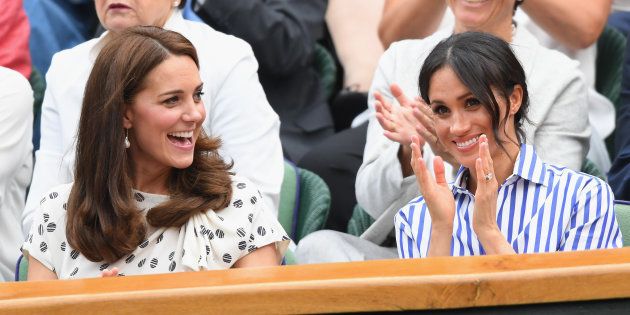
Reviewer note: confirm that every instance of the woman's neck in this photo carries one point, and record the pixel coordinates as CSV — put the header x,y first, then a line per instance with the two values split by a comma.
x,y
153,181
502,30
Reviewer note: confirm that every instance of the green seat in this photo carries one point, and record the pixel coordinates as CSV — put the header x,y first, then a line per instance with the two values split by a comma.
x,y
622,211
326,68
359,222
590,168
304,202
611,47
38,84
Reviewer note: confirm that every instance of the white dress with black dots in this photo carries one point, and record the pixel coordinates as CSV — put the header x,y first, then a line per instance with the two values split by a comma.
x,y
214,240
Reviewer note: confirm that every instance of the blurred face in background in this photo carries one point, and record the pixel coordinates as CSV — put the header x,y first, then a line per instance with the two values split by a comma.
x,y
117,15
481,15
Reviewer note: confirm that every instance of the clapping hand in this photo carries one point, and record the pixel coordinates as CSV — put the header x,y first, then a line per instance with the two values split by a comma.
x,y
426,129
399,122
486,194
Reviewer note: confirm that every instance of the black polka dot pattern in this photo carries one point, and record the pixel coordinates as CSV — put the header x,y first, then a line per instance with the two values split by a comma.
x,y
171,256
220,234
171,268
130,258
51,227
144,244
253,200
40,229
227,258
53,195
30,238
207,250
103,267
250,217
159,238
251,237
141,262
74,272
251,248
139,197
63,246
42,201
285,238
154,262
261,231
241,185
240,232
43,247
74,254
46,217
65,206
242,245
220,218
237,203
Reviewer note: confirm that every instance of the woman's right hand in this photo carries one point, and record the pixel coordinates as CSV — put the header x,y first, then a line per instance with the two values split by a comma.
x,y
109,273
438,198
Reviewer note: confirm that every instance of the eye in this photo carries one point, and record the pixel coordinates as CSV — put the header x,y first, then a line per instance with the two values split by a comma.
x,y
171,101
440,110
197,96
472,102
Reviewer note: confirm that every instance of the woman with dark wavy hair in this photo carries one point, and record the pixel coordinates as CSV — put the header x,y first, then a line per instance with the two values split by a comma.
x,y
150,192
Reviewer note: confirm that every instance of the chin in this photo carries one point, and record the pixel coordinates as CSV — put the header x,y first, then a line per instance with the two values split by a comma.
x,y
182,164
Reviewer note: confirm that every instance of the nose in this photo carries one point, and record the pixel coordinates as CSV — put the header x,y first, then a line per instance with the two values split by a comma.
x,y
194,112
460,123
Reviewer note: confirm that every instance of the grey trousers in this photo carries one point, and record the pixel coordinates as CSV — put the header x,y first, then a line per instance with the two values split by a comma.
x,y
331,246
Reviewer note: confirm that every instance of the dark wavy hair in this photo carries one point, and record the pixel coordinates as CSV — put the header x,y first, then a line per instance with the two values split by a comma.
x,y
482,62
104,223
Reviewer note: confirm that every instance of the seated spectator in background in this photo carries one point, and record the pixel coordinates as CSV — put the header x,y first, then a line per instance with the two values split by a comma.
x,y
14,32
620,17
505,199
352,25
236,107
57,25
571,27
16,149
619,175
283,35
150,192
558,128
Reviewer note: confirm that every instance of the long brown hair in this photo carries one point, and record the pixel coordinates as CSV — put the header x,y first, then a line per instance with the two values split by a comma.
x,y
104,223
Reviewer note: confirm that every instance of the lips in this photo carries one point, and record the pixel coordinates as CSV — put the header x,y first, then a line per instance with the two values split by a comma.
x,y
181,139
118,6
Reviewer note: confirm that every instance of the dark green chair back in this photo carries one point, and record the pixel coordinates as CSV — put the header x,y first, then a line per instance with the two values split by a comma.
x,y
611,47
359,222
326,68
590,168
622,211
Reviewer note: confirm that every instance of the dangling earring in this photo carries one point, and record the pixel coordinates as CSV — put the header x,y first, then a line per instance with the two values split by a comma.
x,y
176,3
127,144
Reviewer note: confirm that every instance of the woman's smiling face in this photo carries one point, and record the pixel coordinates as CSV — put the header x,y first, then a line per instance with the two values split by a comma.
x,y
460,118
165,117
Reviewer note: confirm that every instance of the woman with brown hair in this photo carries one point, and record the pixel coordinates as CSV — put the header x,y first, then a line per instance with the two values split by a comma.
x,y
150,192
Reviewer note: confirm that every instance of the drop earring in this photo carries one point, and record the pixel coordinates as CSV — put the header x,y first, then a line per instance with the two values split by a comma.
x,y
127,144
176,3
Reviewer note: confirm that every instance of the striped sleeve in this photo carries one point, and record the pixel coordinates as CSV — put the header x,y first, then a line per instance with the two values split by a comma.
x,y
404,235
593,224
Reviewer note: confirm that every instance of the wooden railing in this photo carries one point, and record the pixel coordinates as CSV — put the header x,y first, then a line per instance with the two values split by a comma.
x,y
385,285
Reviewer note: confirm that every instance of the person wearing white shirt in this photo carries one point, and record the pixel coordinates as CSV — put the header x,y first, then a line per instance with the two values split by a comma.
x,y
236,106
16,154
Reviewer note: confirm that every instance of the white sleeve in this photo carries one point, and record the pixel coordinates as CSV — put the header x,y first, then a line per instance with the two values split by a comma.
x,y
249,129
379,182
47,172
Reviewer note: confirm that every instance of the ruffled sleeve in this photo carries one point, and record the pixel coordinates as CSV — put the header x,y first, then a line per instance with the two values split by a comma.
x,y
217,239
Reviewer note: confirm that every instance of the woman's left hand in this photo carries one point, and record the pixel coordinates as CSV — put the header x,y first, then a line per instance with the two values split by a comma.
x,y
485,216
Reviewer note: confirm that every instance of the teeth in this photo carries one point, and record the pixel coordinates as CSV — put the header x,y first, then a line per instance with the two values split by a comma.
x,y
181,134
467,143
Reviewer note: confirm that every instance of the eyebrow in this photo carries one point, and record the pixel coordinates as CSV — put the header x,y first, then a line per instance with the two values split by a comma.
x,y
463,96
199,87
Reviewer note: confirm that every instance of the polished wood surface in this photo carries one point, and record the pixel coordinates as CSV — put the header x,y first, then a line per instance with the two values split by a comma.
x,y
434,283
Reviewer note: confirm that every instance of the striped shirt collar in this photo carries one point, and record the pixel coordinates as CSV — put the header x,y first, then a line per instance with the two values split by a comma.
x,y
528,166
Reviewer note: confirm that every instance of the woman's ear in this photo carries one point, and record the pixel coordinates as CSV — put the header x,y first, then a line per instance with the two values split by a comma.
x,y
128,117
516,99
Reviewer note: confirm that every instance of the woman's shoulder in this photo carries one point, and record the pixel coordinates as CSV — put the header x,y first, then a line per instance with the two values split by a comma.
x,y
206,38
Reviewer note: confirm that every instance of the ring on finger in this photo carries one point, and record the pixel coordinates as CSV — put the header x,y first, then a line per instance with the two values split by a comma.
x,y
488,177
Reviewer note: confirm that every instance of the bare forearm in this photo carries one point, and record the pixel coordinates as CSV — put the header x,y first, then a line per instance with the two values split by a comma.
x,y
405,19
576,24
494,243
441,236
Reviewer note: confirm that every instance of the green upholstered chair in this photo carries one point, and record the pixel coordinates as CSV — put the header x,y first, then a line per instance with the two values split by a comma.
x,y
622,211
359,222
590,168
21,269
304,202
611,47
326,68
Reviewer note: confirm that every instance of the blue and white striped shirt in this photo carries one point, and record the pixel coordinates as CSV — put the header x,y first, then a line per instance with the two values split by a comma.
x,y
540,208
